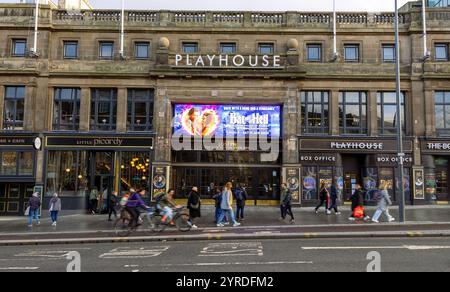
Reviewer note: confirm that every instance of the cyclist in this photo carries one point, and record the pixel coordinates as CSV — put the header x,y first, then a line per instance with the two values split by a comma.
x,y
166,204
133,204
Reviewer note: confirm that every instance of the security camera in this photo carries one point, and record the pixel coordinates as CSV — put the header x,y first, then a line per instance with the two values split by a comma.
x,y
335,57
122,56
427,56
34,54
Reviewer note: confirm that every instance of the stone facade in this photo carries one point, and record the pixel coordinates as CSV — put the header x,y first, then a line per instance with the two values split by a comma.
x,y
290,33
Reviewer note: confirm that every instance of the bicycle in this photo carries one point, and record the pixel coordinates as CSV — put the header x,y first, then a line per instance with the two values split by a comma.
x,y
180,218
122,226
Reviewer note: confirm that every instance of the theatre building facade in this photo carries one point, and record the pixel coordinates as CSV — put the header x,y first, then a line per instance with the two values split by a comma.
x,y
82,115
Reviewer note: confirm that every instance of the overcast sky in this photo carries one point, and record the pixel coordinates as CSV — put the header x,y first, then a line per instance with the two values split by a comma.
x,y
256,5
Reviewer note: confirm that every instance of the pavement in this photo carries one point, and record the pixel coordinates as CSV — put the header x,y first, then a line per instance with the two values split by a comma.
x,y
228,258
260,223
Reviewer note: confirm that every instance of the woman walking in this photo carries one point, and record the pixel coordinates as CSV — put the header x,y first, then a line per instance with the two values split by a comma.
x,y
54,208
383,204
226,206
194,204
286,203
113,202
324,196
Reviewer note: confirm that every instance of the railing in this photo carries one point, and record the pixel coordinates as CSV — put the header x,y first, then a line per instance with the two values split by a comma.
x,y
189,17
232,17
268,18
314,18
352,18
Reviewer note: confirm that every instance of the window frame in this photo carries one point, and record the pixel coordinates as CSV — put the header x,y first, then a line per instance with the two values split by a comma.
x,y
358,53
18,171
311,46
96,100
141,43
76,104
382,129
232,45
344,129
266,44
13,49
14,125
100,53
445,104
325,120
391,46
446,46
69,42
149,101
186,44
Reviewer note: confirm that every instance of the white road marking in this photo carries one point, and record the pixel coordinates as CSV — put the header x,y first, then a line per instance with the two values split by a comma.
x,y
131,253
233,264
19,268
409,247
232,249
52,254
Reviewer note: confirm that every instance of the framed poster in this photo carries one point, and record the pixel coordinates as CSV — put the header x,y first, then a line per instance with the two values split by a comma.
x,y
159,180
293,183
419,184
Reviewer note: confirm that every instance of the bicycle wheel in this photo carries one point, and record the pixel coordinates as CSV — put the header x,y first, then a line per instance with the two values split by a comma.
x,y
182,222
122,227
156,223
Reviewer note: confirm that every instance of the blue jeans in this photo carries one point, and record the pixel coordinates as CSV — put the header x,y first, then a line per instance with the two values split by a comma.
x,y
224,213
54,215
240,211
34,214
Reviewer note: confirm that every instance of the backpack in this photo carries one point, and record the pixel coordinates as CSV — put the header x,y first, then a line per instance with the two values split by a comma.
x,y
377,196
238,194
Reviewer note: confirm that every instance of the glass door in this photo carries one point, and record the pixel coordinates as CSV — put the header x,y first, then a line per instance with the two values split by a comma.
x,y
102,177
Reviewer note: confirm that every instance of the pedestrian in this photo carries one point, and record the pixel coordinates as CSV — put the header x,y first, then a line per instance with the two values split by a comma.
x,y
324,196
54,208
226,206
358,201
384,201
334,195
34,205
241,196
217,200
93,200
194,205
113,202
286,203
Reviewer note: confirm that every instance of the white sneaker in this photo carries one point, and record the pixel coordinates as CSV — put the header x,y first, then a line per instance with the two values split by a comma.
x,y
367,218
194,226
30,225
392,219
236,224
328,212
375,221
39,223
338,213
54,224
226,223
220,225
351,219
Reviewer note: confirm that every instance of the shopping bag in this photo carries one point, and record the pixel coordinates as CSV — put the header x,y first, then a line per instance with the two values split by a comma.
x,y
27,211
358,212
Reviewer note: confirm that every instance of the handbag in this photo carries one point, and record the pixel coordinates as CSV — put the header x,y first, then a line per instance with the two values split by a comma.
x,y
27,211
358,212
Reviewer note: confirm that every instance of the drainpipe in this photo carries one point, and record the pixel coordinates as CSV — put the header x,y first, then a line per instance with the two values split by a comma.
x,y
426,53
122,31
36,23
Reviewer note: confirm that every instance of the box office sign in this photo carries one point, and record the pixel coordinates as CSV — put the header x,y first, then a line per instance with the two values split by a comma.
x,y
318,159
353,145
392,160
99,142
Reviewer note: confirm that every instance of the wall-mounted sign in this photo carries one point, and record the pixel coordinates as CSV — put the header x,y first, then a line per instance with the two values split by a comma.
x,y
228,61
37,143
293,183
227,120
392,160
419,184
98,142
159,180
435,147
17,141
318,159
365,146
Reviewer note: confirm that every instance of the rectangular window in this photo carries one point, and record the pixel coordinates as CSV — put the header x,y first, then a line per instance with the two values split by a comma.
x,y
228,48
19,48
106,50
66,109
387,112
190,48
353,113
266,49
26,162
103,110
140,109
388,53
70,49
314,53
14,108
315,112
442,110
142,50
441,51
351,53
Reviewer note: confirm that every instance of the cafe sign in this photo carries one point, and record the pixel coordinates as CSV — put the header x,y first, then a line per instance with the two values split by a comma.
x,y
99,142
228,61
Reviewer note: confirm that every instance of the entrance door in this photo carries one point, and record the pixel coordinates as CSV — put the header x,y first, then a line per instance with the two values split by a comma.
x,y
102,176
14,197
352,173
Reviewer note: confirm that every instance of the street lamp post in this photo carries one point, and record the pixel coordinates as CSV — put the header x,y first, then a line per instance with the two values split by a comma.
x,y
401,155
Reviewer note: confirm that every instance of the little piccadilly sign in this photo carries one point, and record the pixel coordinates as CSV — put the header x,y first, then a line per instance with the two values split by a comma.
x,y
227,61
99,142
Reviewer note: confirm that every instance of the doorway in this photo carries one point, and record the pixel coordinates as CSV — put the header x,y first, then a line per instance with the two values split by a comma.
x,y
14,198
353,165
101,177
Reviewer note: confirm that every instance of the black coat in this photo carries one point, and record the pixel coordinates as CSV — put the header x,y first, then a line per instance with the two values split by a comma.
x,y
357,199
194,205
